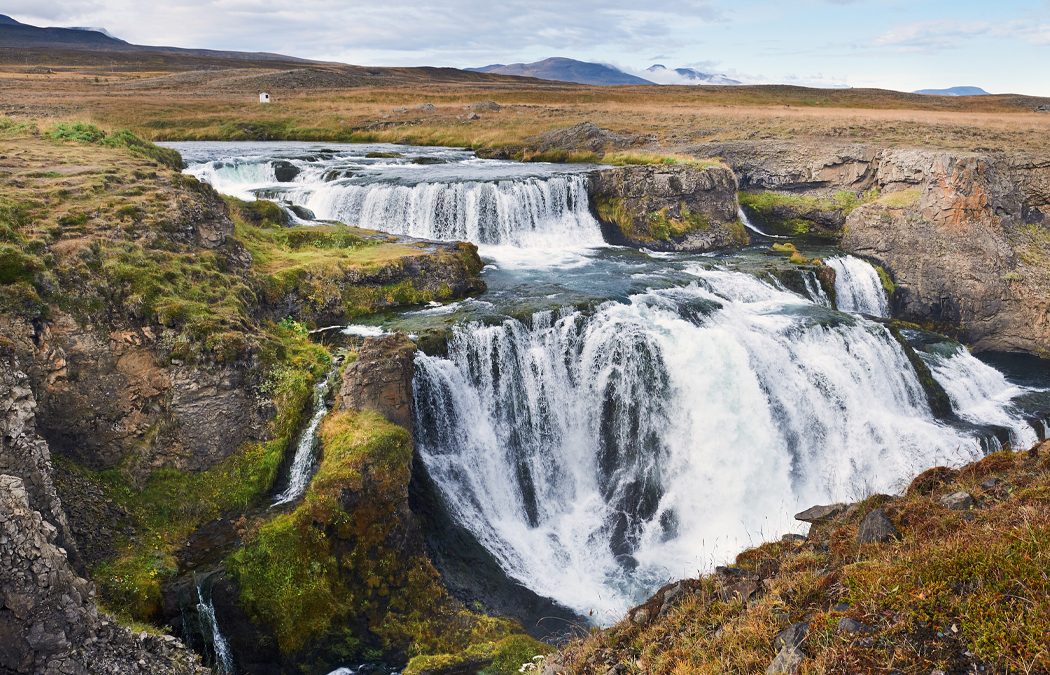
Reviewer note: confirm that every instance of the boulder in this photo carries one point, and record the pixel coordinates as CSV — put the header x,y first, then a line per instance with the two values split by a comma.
x,y
821,514
787,661
793,636
284,171
958,501
877,528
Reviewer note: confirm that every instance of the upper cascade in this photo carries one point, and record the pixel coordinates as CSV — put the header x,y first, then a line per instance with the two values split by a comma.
x,y
429,193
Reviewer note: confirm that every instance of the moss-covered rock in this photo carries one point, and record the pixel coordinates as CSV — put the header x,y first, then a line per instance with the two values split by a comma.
x,y
802,214
669,206
347,570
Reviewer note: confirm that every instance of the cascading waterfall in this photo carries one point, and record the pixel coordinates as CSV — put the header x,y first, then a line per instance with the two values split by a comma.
x,y
599,455
305,459
206,611
981,394
814,289
858,287
742,215
531,212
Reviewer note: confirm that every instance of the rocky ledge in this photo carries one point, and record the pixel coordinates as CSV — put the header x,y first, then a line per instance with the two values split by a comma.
x,y
668,207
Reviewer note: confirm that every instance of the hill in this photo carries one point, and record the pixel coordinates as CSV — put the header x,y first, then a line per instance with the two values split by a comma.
x,y
954,91
566,70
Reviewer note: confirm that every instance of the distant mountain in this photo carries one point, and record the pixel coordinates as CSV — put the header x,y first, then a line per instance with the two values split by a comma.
x,y
17,35
954,91
565,70
686,76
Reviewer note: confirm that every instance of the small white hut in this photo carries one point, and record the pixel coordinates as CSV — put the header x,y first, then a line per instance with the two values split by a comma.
x,y
264,97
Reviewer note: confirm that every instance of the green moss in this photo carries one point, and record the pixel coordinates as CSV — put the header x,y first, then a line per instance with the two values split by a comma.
x,y
795,214
171,504
886,279
336,556
640,158
664,227
80,132
901,199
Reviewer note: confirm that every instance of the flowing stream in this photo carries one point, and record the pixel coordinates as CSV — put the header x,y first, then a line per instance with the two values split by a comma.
x,y
606,419
304,461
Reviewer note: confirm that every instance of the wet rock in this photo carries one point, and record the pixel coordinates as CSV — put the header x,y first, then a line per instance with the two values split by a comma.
x,y
877,528
958,501
284,171
821,514
848,625
302,212
788,660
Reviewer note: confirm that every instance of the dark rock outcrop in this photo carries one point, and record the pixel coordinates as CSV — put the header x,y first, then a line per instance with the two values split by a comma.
x,y
585,137
681,207
877,528
380,379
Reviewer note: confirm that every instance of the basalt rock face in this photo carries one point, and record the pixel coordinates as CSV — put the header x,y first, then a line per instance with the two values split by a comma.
x,y
965,236
48,620
107,398
668,207
968,252
380,379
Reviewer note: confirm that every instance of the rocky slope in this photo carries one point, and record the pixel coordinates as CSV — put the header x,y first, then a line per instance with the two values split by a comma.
x,y
162,332
965,236
49,621
948,577
668,207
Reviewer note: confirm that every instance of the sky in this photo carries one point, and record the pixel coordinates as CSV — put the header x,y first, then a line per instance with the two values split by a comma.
x,y
1000,45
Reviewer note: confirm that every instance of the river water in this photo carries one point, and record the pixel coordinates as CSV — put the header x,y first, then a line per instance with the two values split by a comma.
x,y
606,419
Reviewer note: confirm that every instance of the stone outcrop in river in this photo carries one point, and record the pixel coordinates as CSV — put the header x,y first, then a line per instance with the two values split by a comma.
x,y
668,207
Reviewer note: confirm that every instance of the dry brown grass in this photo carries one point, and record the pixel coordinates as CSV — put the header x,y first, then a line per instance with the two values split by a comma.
x,y
220,104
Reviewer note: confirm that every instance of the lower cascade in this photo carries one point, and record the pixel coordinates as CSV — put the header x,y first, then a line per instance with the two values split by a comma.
x,y
858,287
530,212
598,454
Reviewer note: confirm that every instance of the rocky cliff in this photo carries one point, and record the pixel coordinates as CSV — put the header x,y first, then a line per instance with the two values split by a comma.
x,y
49,622
965,236
668,207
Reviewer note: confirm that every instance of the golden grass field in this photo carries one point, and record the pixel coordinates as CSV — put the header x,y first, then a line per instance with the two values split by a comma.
x,y
172,100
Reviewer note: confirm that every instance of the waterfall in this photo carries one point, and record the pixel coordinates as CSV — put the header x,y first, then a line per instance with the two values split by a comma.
x,y
754,228
814,289
598,454
305,459
210,627
858,286
981,394
548,212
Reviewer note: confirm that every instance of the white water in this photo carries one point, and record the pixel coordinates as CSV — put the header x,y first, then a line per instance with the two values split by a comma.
x,y
223,657
532,212
303,461
858,287
754,228
981,394
597,457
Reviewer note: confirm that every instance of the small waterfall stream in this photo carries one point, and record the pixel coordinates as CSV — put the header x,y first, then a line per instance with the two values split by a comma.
x,y
858,287
210,627
304,461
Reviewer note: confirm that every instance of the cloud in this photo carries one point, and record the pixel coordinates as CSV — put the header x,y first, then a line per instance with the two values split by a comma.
x,y
406,31
949,34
